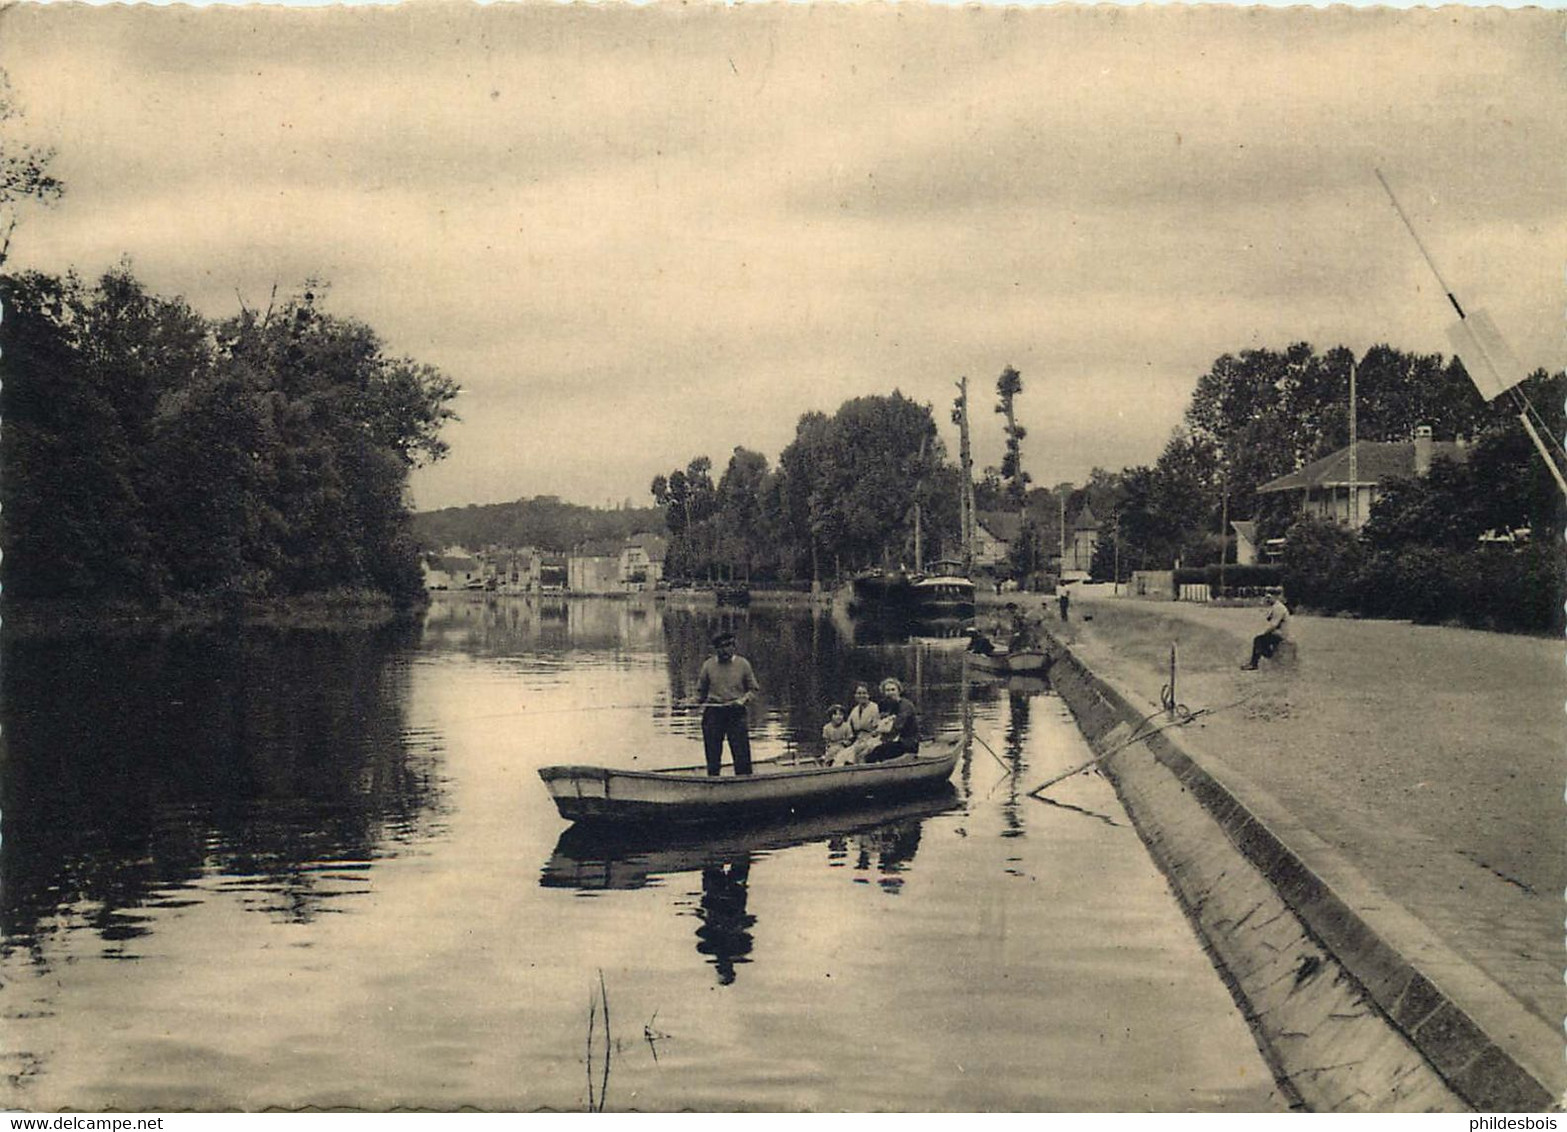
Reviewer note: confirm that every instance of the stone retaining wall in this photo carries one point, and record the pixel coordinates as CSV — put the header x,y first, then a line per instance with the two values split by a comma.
x,y
1344,1015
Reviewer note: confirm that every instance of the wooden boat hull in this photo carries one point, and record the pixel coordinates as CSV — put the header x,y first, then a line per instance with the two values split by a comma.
x,y
1028,662
589,856
689,795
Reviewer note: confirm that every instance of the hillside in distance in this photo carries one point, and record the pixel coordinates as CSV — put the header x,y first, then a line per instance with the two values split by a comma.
x,y
545,522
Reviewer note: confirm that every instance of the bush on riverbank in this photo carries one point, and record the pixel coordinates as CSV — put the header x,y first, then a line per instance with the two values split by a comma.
x,y
1504,586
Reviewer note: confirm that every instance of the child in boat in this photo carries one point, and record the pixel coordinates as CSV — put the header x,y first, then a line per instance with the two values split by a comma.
x,y
837,735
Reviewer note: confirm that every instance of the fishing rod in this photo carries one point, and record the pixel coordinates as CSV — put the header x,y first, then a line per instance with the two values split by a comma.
x,y
1137,736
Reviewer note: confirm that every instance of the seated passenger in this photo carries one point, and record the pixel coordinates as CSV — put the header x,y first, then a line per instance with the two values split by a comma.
x,y
900,725
978,643
863,719
837,736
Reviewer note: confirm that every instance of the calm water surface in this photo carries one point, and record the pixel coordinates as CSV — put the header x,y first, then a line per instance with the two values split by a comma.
x,y
321,870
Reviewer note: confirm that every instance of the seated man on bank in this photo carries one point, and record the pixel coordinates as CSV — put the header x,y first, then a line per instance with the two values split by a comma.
x,y
900,724
1267,642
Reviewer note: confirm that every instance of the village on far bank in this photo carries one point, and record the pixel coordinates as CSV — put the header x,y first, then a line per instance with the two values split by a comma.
x,y
637,563
609,568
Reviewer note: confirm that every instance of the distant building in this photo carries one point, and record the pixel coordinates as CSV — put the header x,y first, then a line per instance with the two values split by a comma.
x,y
517,570
452,569
642,562
994,534
1323,486
595,568
1085,540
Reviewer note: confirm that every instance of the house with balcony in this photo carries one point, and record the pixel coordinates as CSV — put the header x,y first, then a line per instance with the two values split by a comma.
x,y
642,562
1325,487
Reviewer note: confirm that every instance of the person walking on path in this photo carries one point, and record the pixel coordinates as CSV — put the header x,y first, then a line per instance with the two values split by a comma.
x,y
725,685
1267,642
1064,597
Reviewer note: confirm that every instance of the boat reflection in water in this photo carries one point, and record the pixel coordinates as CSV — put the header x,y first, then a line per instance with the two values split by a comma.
x,y
590,859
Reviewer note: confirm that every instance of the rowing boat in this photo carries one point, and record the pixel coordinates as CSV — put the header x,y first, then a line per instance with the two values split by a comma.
x,y
591,857
689,794
1024,662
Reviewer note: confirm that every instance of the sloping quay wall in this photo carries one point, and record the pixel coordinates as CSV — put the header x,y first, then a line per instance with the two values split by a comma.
x,y
1353,1009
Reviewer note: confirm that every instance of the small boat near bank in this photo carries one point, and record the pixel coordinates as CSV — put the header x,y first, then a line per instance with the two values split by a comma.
x,y
1024,662
690,795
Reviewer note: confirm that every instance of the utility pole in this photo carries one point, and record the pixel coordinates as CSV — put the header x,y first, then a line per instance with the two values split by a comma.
x,y
1117,590
1354,453
1061,499
1224,530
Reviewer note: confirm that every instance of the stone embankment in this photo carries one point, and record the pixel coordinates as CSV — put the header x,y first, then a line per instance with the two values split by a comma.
x,y
1356,1002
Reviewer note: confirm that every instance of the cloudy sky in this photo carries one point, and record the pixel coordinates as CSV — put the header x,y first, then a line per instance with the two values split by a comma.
x,y
635,236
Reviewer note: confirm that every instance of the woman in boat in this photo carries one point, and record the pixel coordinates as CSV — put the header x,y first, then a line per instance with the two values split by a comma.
x,y
900,724
864,718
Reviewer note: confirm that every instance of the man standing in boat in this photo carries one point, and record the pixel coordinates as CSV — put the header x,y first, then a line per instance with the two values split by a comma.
x,y
725,685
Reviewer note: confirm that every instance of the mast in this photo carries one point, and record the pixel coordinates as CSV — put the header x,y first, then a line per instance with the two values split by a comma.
x,y
967,518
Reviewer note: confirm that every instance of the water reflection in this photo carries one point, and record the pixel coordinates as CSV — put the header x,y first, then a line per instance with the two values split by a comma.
x,y
1019,704
134,766
881,839
725,932
221,806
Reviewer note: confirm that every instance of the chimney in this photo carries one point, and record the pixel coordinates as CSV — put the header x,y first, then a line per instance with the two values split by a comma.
x,y
1422,449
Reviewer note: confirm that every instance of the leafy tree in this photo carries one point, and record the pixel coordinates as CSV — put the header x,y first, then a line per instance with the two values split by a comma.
x,y
149,452
1322,564
24,169
1008,386
738,513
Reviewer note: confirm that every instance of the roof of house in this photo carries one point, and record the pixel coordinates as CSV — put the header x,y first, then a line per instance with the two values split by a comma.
x,y
653,545
597,548
1375,460
1086,520
1003,525
453,563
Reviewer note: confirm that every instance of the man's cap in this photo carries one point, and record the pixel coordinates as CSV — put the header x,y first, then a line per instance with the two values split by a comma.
x,y
724,638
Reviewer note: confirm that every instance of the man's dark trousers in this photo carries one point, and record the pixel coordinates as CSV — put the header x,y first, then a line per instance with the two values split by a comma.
x,y
717,724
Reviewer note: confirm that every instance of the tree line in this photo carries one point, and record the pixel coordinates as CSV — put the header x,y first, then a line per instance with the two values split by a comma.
x,y
152,454
545,522
1262,414
1451,544
847,492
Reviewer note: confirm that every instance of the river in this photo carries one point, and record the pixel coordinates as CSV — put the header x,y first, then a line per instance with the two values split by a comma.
x,y
319,869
